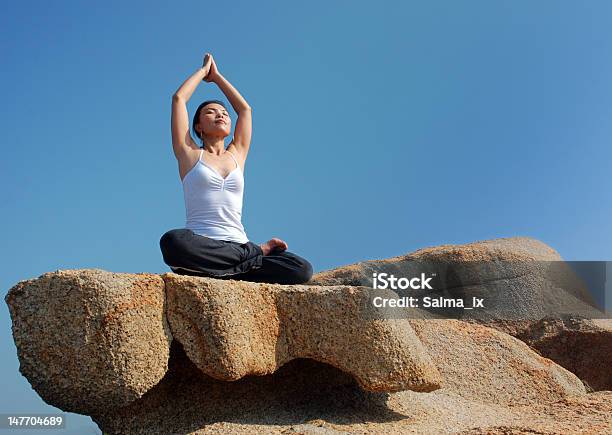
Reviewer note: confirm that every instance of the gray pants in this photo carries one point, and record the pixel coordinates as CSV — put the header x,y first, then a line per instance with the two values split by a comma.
x,y
188,253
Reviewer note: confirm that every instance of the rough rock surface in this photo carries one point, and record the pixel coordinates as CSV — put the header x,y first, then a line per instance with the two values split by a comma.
x,y
518,278
231,329
480,362
519,268
90,339
307,397
583,346
504,250
262,358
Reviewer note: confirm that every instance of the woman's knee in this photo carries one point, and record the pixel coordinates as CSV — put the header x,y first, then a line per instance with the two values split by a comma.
x,y
307,272
303,272
172,242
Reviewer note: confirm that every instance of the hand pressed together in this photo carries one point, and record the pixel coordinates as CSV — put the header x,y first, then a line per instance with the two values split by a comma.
x,y
210,68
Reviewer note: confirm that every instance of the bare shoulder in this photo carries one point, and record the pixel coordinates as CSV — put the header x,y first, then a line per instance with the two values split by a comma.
x,y
238,153
187,158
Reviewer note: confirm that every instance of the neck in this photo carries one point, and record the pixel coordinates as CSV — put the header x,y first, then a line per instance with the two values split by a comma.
x,y
215,145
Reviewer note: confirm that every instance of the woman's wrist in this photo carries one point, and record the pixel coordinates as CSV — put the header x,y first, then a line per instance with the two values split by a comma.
x,y
203,72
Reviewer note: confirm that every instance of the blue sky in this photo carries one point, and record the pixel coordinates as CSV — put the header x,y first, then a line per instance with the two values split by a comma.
x,y
377,130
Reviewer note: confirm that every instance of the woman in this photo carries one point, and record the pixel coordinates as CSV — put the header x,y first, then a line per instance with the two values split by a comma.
x,y
214,242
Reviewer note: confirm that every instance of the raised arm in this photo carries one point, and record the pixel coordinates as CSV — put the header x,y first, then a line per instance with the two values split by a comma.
x,y
242,132
181,138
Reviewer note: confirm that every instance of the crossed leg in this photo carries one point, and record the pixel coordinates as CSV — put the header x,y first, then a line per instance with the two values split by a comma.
x,y
187,253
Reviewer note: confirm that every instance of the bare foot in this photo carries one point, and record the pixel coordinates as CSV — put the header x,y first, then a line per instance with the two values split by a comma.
x,y
273,244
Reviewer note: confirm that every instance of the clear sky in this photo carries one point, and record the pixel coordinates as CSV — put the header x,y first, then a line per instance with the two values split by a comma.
x,y
378,129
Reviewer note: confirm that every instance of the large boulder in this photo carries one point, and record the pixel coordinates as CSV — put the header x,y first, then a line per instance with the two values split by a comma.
x,y
90,339
583,346
517,278
493,384
151,354
231,329
501,252
541,300
481,363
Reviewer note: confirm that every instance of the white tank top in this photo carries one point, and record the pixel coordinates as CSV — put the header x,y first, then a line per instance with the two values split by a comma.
x,y
213,204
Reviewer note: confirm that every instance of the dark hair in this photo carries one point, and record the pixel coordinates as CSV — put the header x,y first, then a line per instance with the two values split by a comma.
x,y
196,116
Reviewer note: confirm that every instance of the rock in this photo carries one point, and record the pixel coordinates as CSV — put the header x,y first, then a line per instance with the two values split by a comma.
x,y
90,339
582,346
188,400
538,292
304,393
519,249
483,364
150,354
231,329
517,278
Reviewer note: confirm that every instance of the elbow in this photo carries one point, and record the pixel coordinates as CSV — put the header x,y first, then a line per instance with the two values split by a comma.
x,y
176,98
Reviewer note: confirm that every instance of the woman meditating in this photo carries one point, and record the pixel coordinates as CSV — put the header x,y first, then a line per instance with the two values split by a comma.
x,y
214,242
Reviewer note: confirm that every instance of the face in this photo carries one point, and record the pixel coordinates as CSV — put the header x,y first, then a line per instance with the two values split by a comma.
x,y
214,120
